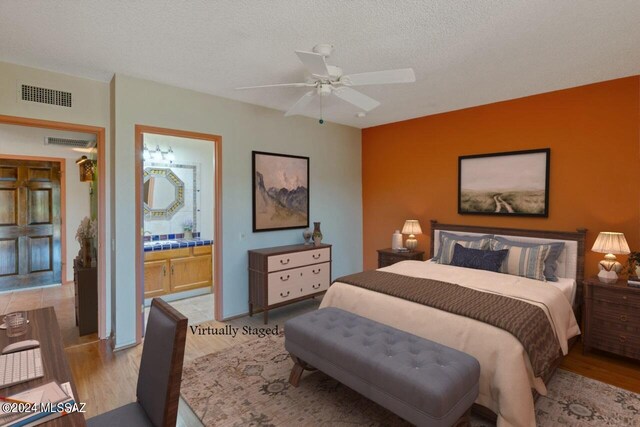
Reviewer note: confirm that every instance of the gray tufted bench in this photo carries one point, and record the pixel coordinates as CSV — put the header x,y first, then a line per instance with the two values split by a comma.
x,y
422,381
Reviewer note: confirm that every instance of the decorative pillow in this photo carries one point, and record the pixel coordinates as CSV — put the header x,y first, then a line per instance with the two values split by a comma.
x,y
478,258
459,237
524,262
447,246
550,264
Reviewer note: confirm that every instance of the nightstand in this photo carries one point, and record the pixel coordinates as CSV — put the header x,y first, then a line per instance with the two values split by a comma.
x,y
612,317
388,256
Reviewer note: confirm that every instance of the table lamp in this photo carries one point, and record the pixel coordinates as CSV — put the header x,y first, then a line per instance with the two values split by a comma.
x,y
411,227
610,243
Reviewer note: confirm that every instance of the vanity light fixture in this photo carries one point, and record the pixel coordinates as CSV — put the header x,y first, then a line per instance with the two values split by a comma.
x,y
158,155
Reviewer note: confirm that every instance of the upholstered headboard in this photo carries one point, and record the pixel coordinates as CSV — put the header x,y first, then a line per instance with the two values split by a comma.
x,y
570,262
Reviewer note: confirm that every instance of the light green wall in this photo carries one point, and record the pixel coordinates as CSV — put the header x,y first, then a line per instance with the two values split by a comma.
x,y
335,182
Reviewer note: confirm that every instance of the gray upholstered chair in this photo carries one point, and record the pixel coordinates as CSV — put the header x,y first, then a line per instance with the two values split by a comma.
x,y
158,390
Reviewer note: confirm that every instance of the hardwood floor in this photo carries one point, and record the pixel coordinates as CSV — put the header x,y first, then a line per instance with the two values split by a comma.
x,y
601,366
106,379
61,298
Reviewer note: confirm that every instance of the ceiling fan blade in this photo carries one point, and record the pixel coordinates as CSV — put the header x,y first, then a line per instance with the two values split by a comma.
x,y
401,75
300,104
278,85
356,98
314,63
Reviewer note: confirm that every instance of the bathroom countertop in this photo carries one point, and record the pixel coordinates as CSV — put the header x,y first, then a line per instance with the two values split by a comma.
x,y
164,245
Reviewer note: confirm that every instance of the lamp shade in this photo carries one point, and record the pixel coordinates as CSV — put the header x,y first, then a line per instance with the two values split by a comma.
x,y
411,226
611,243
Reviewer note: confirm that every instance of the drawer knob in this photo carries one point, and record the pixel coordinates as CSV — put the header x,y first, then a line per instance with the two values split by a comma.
x,y
622,338
283,262
624,297
316,256
283,295
624,317
317,271
285,278
316,286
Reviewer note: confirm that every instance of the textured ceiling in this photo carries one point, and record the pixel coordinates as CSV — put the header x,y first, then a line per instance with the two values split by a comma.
x,y
464,53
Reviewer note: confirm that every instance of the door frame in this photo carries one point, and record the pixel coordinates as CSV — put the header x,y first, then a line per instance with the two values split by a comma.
x,y
217,221
99,132
63,205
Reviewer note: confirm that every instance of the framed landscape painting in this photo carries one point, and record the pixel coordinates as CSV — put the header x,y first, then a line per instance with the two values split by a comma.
x,y
513,184
280,191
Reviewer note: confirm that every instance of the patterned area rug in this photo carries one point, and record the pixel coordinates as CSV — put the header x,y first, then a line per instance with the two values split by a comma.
x,y
247,385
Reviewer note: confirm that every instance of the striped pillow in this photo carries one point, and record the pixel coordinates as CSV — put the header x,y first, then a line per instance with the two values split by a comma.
x,y
523,261
448,245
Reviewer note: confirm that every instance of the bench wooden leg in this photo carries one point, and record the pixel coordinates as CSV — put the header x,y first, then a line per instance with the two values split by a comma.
x,y
299,366
464,420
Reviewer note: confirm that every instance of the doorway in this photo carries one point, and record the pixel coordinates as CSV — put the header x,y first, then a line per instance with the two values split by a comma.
x,y
50,201
178,203
30,224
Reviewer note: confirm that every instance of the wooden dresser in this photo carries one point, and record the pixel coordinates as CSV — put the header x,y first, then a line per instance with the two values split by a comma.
x,y
286,274
612,318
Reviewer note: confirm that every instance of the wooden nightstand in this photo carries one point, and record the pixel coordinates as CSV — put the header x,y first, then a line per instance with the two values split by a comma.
x,y
612,317
388,256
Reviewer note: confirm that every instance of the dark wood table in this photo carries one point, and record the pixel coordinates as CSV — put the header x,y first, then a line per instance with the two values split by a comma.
x,y
43,326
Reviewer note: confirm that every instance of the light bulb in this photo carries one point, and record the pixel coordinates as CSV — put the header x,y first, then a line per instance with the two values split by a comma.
x,y
157,155
170,156
146,155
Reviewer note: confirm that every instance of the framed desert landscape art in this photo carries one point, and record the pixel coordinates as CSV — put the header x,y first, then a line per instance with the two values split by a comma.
x,y
515,183
280,191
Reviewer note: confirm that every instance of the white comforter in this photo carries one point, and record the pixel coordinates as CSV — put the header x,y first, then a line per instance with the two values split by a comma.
x,y
506,376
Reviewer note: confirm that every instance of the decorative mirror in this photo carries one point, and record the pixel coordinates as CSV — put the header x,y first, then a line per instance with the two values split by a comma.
x,y
163,193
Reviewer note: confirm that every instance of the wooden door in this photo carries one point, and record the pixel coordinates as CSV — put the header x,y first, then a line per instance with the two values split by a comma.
x,y
156,278
190,273
29,224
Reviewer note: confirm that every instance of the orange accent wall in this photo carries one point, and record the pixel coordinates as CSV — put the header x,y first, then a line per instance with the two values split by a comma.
x,y
410,168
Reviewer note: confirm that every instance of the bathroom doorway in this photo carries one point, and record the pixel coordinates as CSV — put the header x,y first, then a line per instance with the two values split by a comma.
x,y
178,211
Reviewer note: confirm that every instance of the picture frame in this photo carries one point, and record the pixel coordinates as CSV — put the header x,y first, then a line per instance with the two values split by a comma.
x,y
514,183
280,191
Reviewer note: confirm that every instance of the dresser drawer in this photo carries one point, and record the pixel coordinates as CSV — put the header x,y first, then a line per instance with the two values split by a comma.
x,y
280,293
614,295
316,278
297,259
616,342
605,310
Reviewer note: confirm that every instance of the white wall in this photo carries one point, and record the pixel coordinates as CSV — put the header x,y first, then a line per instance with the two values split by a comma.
x,y
335,182
29,141
192,152
90,107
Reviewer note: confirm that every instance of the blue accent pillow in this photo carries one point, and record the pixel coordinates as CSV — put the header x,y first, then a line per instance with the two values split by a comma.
x,y
478,258
461,237
550,264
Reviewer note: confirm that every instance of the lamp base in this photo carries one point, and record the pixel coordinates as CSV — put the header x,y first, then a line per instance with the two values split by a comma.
x,y
608,276
411,243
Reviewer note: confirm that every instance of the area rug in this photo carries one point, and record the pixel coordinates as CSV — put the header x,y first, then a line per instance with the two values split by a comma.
x,y
247,385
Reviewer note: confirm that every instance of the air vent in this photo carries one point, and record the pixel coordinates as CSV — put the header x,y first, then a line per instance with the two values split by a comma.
x,y
69,142
45,96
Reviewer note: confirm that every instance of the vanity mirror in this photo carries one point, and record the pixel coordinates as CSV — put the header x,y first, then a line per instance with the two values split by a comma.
x,y
163,193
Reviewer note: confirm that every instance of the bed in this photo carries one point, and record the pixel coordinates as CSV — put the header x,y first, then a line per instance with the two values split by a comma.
x,y
507,382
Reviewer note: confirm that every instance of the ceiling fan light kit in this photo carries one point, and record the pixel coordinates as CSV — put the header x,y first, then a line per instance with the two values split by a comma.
x,y
328,80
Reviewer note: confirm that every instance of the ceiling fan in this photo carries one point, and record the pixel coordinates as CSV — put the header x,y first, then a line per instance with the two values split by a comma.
x,y
328,80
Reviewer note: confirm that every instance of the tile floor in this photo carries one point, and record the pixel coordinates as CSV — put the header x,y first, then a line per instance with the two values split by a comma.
x,y
197,309
61,298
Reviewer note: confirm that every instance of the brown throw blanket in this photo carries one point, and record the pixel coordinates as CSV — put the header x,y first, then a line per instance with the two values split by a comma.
x,y
527,322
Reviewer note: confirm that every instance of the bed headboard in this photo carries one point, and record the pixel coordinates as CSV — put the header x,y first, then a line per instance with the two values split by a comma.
x,y
570,263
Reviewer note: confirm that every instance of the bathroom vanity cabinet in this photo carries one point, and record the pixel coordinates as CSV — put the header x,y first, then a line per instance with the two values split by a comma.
x,y
177,270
